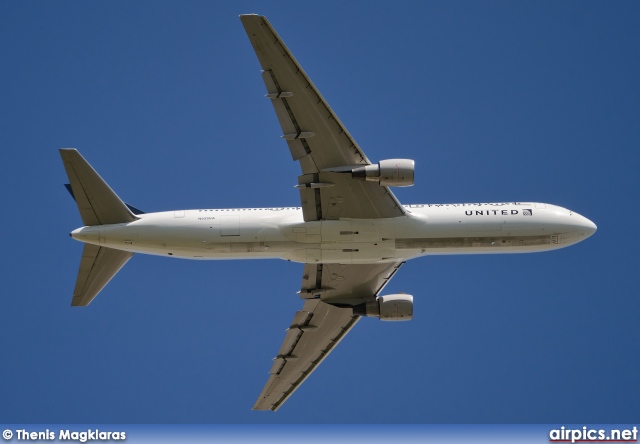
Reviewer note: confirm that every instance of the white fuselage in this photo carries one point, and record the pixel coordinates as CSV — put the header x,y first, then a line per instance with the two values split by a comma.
x,y
267,233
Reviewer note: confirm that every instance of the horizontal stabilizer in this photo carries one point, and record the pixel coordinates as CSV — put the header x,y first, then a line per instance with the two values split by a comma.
x,y
97,266
97,202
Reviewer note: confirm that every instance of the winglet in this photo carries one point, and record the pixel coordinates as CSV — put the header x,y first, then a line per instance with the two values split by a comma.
x,y
97,203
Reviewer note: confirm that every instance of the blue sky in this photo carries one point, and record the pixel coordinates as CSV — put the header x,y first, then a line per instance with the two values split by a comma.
x,y
495,101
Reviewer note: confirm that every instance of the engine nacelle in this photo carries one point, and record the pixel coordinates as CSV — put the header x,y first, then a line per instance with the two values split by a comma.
x,y
389,173
393,307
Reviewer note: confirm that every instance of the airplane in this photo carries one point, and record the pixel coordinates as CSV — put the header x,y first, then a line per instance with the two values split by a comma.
x,y
350,231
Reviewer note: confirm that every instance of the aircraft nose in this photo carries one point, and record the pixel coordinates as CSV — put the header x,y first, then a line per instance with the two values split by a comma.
x,y
590,227
585,227
577,228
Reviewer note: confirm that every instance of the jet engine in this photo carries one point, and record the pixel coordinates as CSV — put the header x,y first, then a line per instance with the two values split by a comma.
x,y
389,173
393,307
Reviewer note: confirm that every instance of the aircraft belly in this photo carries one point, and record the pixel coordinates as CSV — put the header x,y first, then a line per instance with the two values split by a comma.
x,y
474,242
345,252
169,235
349,241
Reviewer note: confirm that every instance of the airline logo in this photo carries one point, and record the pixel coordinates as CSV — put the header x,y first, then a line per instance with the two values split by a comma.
x,y
525,212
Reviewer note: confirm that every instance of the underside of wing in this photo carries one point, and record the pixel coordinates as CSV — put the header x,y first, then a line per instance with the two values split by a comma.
x,y
314,332
316,137
320,326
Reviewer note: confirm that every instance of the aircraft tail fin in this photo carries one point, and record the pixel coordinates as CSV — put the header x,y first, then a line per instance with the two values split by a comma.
x,y
133,209
97,266
97,203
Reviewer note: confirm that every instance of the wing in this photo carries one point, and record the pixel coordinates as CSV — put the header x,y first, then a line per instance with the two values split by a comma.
x,y
320,326
315,136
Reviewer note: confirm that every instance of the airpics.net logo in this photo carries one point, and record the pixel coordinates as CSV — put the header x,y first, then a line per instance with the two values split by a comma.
x,y
585,434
